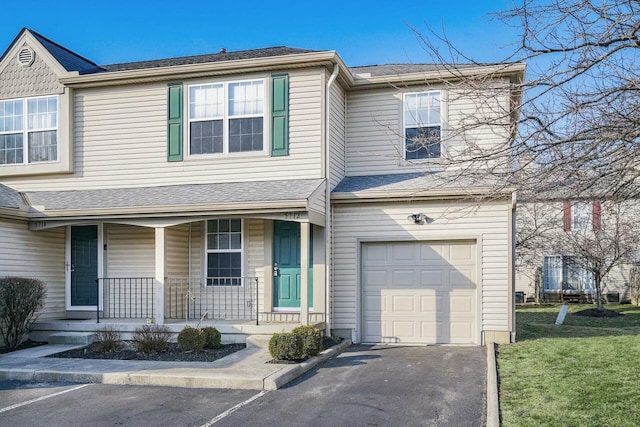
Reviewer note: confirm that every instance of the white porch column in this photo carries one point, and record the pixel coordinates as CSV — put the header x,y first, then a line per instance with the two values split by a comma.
x,y
305,240
161,249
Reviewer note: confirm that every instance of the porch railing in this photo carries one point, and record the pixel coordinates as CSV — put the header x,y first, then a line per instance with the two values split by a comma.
x,y
215,298
128,298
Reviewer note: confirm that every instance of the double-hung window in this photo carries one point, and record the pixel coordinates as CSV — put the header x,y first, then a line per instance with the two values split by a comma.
x,y
224,252
422,125
29,130
226,117
581,214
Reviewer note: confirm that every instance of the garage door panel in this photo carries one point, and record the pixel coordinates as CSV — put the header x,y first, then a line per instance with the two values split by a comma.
x,y
430,303
461,303
376,278
432,279
462,278
416,294
461,252
402,278
403,329
401,253
403,304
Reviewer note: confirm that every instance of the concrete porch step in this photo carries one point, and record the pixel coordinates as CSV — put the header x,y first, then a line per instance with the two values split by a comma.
x,y
78,338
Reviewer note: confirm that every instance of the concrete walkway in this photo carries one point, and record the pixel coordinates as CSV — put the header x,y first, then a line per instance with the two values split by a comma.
x,y
245,369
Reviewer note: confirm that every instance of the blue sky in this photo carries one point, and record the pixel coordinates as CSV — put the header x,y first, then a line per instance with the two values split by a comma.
x,y
115,31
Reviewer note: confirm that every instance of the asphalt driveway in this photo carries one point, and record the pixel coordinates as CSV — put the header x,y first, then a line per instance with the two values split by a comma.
x,y
380,386
364,386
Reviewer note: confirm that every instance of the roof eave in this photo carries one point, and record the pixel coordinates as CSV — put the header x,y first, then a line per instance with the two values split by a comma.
x,y
514,71
404,195
169,210
107,78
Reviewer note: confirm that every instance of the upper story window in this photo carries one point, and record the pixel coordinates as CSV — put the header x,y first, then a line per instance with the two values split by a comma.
x,y
29,130
226,117
581,215
422,125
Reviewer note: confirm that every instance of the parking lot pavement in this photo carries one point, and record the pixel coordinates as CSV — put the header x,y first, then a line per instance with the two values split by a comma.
x,y
97,405
364,386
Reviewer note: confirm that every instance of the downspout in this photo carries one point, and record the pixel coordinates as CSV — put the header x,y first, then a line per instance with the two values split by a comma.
x,y
327,203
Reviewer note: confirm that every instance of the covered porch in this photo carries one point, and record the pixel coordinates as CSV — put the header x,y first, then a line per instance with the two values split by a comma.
x,y
261,263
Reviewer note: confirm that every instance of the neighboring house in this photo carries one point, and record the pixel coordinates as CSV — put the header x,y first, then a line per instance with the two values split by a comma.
x,y
558,240
271,186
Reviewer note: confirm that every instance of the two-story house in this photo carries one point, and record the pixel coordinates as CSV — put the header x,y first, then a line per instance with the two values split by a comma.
x,y
274,186
563,241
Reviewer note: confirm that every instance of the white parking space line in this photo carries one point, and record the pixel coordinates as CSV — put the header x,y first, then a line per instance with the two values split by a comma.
x,y
234,409
28,402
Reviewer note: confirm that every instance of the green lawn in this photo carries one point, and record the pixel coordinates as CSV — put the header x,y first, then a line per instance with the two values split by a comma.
x,y
583,373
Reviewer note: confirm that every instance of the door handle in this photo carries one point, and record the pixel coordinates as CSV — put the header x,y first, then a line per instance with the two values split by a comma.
x,y
276,270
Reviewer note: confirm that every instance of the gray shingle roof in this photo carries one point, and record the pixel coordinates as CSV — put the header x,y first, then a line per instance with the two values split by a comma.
x,y
10,198
396,69
175,195
201,59
71,61
413,182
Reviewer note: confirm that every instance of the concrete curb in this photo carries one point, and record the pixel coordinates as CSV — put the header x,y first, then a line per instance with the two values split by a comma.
x,y
247,372
493,404
291,372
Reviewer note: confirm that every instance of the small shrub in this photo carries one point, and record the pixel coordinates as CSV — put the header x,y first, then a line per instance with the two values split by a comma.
x,y
311,340
108,339
191,339
285,346
150,339
20,299
212,337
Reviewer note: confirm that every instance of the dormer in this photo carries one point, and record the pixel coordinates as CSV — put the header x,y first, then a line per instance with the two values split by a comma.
x,y
35,108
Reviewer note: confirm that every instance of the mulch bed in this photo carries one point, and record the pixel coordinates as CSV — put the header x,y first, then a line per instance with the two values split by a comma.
x,y
172,354
594,312
22,346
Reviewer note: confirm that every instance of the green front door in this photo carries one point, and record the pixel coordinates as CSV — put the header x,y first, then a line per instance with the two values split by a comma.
x,y
84,265
286,256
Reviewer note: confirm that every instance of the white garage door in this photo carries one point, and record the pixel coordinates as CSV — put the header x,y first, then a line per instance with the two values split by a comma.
x,y
419,293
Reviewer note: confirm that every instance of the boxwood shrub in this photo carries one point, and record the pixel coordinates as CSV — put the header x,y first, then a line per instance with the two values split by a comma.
x,y
191,339
212,337
311,340
286,346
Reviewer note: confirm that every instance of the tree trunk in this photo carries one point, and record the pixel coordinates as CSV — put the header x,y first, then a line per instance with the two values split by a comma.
x,y
598,280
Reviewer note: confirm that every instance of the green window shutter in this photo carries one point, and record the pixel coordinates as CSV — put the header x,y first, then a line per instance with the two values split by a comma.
x,y
280,115
174,122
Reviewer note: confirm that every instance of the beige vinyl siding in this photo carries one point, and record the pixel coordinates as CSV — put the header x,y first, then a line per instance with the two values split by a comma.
x,y
197,249
120,140
375,127
254,255
316,202
488,224
177,254
130,251
374,119
337,128
37,254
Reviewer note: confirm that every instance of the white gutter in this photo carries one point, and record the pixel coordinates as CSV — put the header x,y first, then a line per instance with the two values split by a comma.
x,y
327,203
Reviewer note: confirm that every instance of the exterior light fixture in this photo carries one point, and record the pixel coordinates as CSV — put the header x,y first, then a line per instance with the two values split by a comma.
x,y
418,218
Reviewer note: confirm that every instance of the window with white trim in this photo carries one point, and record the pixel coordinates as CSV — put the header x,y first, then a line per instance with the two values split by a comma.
x,y
224,252
227,117
581,216
29,130
422,125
